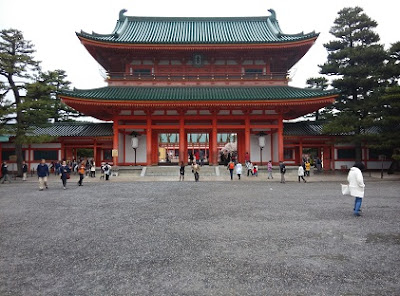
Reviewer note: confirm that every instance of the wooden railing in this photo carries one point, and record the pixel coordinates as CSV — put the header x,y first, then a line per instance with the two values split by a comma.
x,y
196,76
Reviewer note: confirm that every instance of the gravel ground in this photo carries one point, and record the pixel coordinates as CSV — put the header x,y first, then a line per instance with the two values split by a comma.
x,y
206,238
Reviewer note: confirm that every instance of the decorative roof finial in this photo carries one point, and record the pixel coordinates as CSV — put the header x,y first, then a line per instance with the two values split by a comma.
x,y
273,14
121,14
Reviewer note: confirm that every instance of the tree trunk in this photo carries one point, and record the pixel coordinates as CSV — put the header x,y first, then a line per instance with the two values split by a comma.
x,y
19,154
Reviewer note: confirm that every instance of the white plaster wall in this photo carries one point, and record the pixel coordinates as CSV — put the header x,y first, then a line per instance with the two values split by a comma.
x,y
255,149
338,164
129,152
377,165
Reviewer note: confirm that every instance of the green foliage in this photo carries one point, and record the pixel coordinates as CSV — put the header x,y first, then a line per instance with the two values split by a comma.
x,y
320,83
358,62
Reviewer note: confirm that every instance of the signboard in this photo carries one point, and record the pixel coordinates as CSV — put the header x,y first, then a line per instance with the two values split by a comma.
x,y
114,153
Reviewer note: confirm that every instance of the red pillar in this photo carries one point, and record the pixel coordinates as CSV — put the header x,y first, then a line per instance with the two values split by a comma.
x,y
148,140
214,141
280,138
247,135
115,142
182,140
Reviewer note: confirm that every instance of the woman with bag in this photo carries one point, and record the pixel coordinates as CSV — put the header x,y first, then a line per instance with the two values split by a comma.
x,y
356,186
64,173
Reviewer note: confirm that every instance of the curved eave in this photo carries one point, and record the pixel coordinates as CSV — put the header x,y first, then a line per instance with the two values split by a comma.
x,y
171,46
290,108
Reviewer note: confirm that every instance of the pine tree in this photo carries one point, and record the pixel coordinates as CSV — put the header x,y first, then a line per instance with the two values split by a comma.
x,y
25,98
357,60
57,80
319,83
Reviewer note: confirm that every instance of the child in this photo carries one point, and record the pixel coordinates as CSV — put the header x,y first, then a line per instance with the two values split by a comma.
x,y
239,169
269,166
255,170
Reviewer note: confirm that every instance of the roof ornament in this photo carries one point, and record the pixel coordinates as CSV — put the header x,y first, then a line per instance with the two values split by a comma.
x,y
273,14
121,14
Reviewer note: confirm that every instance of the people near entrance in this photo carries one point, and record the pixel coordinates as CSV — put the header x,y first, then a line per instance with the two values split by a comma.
x,y
196,170
182,172
255,170
231,167
4,173
300,173
197,156
247,158
318,164
282,170
239,170
64,172
250,168
191,158
307,167
57,168
92,169
201,155
24,170
81,172
107,171
269,169
356,186
42,172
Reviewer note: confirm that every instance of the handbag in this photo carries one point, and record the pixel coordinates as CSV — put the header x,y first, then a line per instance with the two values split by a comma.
x,y
67,175
345,189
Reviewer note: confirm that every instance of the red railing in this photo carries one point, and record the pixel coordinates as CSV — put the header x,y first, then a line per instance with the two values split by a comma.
x,y
196,76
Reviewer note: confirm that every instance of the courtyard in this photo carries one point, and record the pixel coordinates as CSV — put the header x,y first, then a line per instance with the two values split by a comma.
x,y
205,238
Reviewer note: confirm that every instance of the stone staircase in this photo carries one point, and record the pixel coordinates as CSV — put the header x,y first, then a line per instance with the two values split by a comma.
x,y
173,171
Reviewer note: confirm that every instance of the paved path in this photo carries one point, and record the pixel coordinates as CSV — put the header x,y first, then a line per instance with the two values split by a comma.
x,y
206,238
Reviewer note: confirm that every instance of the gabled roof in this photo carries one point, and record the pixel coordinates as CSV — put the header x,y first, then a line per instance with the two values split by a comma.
x,y
195,30
189,94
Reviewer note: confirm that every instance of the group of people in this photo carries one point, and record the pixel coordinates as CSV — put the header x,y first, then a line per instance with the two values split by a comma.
x,y
63,169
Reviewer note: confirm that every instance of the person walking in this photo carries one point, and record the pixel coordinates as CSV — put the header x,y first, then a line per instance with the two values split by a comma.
x,y
239,169
81,171
107,171
269,169
356,186
182,172
24,170
300,173
42,172
308,168
64,172
282,169
92,169
196,170
250,168
4,173
231,167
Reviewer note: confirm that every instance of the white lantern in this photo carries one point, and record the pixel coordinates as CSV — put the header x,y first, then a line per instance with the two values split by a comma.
x,y
261,141
135,142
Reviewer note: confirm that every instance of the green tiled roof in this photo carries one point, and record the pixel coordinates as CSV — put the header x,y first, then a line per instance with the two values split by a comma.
x,y
75,129
302,128
184,94
190,30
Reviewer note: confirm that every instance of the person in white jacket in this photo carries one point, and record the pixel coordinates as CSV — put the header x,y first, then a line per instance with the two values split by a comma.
x,y
300,173
239,169
356,186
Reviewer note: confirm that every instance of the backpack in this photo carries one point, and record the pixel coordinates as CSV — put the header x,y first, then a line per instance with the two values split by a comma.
x,y
231,166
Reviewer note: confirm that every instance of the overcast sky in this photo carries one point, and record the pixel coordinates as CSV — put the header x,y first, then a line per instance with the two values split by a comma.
x,y
51,26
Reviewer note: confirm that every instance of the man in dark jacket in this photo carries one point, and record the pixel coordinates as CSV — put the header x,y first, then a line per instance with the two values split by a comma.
x,y
42,172
282,169
4,173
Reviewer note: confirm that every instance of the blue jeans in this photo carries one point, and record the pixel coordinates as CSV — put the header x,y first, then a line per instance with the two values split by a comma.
x,y
357,206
